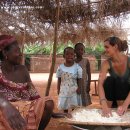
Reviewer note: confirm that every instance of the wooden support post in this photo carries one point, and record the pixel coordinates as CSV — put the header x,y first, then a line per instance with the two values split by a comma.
x,y
95,87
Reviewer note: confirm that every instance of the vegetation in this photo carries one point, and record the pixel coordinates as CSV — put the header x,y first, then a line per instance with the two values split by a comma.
x,y
96,50
39,48
46,49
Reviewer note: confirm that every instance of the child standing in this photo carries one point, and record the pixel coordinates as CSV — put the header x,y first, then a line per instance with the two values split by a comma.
x,y
85,65
69,76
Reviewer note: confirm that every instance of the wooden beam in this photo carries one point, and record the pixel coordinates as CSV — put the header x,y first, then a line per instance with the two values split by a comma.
x,y
54,49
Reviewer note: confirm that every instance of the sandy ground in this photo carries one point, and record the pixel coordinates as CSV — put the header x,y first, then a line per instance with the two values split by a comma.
x,y
40,81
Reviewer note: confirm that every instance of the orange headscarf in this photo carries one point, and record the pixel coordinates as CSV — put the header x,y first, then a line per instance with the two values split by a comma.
x,y
5,40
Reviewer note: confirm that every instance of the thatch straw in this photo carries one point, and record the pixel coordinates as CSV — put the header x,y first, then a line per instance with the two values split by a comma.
x,y
39,18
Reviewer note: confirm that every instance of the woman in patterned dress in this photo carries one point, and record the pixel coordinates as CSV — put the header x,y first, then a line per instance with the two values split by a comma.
x,y
69,76
20,104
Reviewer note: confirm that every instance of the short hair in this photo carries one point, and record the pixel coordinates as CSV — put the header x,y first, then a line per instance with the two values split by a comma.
x,y
67,49
78,44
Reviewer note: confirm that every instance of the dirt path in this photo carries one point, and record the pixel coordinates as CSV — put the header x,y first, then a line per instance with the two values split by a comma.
x,y
40,81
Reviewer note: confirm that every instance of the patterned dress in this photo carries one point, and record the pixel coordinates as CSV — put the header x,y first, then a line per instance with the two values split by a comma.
x,y
68,97
26,99
86,100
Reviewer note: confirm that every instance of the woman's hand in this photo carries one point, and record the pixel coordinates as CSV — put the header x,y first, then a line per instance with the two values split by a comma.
x,y
13,116
106,111
121,110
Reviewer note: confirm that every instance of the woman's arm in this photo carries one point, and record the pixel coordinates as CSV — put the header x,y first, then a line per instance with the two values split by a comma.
x,y
102,76
28,78
12,115
58,85
123,108
88,70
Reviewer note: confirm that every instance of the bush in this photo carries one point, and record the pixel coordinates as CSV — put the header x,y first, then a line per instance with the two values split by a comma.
x,y
46,49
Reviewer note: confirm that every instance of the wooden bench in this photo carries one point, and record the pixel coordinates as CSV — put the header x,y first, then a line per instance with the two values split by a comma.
x,y
95,87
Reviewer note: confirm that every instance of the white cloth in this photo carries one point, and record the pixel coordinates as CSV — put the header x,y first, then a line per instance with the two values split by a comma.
x,y
68,95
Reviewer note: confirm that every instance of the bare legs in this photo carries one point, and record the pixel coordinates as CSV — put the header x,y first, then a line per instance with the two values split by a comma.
x,y
49,106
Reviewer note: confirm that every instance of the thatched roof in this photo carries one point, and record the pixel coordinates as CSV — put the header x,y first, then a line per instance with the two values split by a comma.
x,y
36,18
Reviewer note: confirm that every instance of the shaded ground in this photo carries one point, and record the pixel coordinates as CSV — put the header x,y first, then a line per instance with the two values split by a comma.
x,y
40,81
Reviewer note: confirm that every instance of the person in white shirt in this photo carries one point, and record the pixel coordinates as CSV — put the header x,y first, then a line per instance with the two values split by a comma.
x,y
69,76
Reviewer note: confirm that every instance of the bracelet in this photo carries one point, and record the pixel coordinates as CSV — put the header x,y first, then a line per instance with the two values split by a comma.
x,y
101,100
3,103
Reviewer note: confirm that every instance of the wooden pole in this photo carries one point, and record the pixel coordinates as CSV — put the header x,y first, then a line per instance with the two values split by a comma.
x,y
23,40
54,49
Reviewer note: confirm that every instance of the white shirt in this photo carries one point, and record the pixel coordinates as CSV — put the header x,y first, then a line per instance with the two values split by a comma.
x,y
69,76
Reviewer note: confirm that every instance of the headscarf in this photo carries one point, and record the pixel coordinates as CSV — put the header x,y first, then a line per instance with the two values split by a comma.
x,y
6,40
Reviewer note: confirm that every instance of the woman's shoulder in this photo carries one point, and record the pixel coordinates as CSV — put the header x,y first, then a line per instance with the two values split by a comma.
x,y
106,63
21,68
